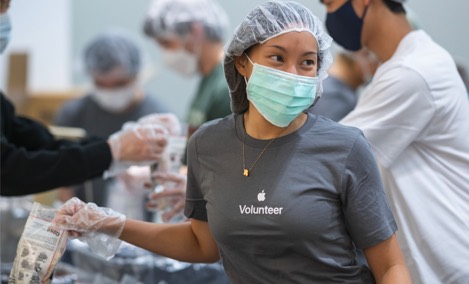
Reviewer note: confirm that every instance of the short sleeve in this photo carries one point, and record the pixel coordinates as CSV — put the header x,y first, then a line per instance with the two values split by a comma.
x,y
367,214
195,204
392,112
66,116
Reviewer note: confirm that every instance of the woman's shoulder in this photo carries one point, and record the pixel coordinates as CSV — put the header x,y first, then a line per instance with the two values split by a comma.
x,y
329,126
213,134
216,127
328,134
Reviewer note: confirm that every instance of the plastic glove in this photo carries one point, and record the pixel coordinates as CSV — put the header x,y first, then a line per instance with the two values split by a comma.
x,y
168,120
173,155
173,190
138,143
135,178
127,192
99,227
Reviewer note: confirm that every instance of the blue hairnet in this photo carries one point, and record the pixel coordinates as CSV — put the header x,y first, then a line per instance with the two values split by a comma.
x,y
168,18
111,50
267,21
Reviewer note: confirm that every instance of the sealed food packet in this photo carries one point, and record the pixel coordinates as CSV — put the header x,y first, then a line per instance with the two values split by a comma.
x,y
39,249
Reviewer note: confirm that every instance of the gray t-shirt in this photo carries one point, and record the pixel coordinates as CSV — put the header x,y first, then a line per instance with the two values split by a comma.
x,y
311,199
85,113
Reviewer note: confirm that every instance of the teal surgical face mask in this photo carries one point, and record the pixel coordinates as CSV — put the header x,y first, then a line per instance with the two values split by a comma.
x,y
5,30
280,96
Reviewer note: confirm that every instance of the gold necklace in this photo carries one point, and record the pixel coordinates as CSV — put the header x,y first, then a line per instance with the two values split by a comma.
x,y
246,171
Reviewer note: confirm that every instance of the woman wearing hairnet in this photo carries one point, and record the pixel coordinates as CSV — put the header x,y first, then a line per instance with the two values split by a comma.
x,y
191,34
280,195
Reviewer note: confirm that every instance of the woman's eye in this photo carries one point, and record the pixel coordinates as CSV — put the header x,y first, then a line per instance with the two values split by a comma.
x,y
308,62
277,58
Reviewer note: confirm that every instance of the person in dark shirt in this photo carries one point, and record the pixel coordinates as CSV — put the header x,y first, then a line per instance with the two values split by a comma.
x,y
33,161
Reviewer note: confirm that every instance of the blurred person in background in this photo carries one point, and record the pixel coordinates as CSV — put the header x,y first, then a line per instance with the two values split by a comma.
x,y
5,24
415,113
113,62
191,34
349,72
33,161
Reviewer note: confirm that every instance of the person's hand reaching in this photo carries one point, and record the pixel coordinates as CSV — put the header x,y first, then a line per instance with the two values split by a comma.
x,y
81,218
138,143
173,189
167,120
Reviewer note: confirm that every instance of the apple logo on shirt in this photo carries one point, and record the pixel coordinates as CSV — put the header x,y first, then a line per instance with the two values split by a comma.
x,y
260,210
261,196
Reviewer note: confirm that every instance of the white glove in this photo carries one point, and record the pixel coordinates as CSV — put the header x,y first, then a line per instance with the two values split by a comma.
x,y
173,190
135,178
168,120
99,227
137,143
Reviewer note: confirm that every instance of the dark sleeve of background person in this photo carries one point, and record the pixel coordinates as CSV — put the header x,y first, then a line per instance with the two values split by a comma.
x,y
33,161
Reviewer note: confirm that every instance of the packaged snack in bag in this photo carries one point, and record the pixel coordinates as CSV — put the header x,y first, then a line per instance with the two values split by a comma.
x,y
39,249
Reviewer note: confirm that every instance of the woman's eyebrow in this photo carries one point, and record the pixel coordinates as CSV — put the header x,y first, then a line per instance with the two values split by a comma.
x,y
310,53
278,47
284,50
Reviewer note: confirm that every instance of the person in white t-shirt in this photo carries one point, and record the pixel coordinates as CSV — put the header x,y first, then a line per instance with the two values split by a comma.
x,y
415,114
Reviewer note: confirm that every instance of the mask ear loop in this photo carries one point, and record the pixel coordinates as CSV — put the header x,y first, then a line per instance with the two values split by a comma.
x,y
245,79
249,59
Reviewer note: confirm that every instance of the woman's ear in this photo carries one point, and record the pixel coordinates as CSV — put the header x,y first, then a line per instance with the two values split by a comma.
x,y
241,64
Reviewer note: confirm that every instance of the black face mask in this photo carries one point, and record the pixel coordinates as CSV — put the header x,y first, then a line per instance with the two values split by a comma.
x,y
345,27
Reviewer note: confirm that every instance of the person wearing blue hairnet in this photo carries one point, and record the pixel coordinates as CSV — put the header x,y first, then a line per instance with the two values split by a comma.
x,y
415,114
33,161
279,194
113,62
191,35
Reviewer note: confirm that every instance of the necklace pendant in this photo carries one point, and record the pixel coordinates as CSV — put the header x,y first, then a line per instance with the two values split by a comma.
x,y
246,172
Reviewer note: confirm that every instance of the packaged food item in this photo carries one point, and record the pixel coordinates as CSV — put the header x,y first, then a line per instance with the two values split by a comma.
x,y
39,249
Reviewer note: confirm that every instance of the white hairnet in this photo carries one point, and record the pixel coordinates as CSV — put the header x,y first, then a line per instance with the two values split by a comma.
x,y
263,23
110,50
168,18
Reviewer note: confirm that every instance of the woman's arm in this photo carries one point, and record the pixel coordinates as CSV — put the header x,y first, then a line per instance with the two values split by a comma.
x,y
387,262
189,241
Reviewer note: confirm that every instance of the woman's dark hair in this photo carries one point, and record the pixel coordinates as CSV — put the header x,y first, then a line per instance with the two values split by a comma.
x,y
395,7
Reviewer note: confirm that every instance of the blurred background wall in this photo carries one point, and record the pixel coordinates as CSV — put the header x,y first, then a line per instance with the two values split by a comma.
x,y
54,32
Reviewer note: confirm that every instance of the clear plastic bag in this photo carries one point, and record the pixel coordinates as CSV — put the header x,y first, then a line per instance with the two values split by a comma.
x,y
39,249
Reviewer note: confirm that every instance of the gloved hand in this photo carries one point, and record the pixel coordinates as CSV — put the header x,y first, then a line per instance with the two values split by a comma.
x,y
167,120
135,178
137,143
172,195
127,192
99,227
